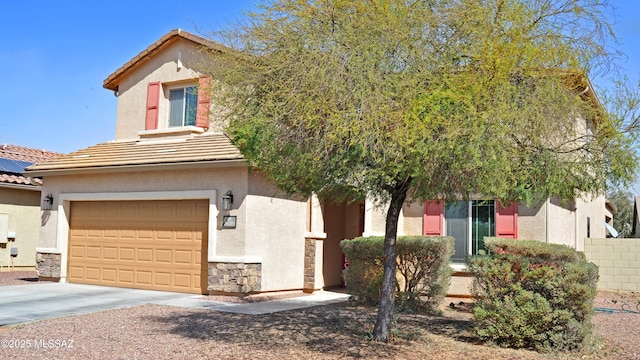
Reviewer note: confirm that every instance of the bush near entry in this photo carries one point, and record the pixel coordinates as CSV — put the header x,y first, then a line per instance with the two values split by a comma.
x,y
530,294
423,272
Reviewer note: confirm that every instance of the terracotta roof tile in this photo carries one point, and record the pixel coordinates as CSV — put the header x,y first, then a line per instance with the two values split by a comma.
x,y
22,153
19,180
207,147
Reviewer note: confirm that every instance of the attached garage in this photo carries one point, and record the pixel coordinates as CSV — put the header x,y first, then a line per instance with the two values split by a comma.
x,y
155,245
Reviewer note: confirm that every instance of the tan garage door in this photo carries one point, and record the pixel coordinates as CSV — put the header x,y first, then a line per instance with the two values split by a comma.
x,y
157,245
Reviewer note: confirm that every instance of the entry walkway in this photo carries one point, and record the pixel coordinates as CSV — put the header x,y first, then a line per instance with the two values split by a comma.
x,y
26,303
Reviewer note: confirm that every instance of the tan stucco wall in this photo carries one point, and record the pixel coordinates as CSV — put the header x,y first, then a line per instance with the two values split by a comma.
x,y
161,67
375,215
551,220
532,221
22,209
276,225
593,208
412,215
270,227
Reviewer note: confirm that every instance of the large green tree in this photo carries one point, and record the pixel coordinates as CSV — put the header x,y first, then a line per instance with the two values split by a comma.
x,y
404,100
623,215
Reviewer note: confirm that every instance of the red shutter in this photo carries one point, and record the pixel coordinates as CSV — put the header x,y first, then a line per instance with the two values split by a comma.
x,y
153,98
432,223
204,102
507,221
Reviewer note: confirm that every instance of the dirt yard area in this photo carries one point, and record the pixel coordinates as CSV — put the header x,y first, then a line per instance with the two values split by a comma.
x,y
326,332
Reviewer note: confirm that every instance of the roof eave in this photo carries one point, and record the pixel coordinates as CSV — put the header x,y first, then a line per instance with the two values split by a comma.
x,y
112,81
20,186
138,167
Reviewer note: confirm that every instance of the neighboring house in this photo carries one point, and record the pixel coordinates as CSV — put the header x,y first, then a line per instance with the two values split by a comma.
x,y
20,200
610,210
635,227
170,204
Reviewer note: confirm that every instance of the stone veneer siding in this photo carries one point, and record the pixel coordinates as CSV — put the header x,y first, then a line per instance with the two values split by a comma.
x,y
618,262
234,278
309,265
48,265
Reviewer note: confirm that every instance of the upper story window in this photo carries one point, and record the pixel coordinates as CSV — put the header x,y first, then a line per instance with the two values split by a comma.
x,y
177,105
183,104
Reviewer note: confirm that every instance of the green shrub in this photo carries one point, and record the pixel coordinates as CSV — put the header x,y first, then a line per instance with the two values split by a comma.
x,y
532,294
423,272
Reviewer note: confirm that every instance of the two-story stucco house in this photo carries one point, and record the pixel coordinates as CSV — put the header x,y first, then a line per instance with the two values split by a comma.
x,y
170,204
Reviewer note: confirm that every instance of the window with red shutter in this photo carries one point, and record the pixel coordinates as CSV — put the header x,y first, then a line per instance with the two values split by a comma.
x,y
153,99
433,218
469,222
204,102
507,221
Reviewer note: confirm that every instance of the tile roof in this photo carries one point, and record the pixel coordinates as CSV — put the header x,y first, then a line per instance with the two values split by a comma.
x,y
19,180
118,154
111,82
23,154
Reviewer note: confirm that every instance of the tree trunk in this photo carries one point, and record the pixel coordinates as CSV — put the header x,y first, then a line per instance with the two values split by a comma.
x,y
382,330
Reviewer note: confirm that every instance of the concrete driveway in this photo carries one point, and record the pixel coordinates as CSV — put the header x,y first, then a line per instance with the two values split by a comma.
x,y
26,303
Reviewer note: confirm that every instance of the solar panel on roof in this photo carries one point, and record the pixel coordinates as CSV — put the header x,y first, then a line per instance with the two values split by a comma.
x,y
13,166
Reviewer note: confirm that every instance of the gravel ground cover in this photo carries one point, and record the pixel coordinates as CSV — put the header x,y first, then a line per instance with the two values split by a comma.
x,y
337,331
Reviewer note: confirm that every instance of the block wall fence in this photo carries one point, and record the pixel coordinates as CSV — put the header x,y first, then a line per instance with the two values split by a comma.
x,y
618,261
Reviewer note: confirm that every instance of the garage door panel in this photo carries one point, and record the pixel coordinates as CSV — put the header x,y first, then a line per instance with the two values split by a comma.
x,y
182,280
110,253
163,256
184,236
164,235
183,257
110,210
94,233
93,211
145,234
144,277
92,273
110,233
92,252
141,244
145,255
76,272
126,276
129,211
162,278
126,234
76,251
109,274
126,253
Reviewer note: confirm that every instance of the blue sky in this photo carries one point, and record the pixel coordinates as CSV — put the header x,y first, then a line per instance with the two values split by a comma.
x,y
54,56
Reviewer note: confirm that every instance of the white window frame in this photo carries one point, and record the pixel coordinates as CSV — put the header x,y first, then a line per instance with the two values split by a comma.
x,y
172,87
468,245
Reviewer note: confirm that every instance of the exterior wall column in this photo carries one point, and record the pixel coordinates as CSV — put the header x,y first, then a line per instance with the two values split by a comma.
x,y
314,246
374,218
